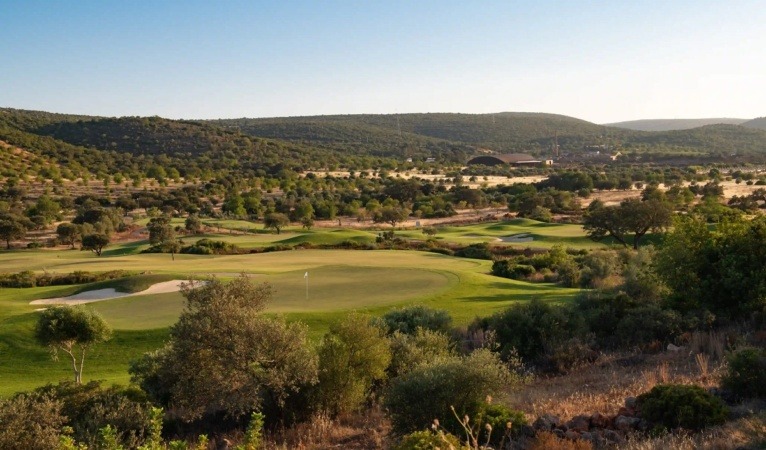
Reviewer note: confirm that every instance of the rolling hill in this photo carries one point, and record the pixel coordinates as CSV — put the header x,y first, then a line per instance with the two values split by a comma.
x,y
756,123
673,124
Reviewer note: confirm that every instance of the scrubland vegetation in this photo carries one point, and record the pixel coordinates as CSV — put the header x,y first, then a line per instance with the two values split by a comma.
x,y
377,308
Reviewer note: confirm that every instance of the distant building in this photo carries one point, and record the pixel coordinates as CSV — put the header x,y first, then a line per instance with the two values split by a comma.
x,y
513,159
430,160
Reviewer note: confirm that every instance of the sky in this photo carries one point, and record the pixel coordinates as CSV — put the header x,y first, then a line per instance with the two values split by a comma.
x,y
602,61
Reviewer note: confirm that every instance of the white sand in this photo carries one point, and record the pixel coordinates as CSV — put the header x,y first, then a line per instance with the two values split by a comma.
x,y
99,295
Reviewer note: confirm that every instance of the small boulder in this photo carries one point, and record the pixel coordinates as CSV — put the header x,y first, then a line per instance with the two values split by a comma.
x,y
546,422
559,434
572,435
579,423
626,423
598,420
630,402
613,436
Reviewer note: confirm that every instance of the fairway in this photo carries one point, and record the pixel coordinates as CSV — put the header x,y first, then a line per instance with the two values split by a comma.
x,y
339,281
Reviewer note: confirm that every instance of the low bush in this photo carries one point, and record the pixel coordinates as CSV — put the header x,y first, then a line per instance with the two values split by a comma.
x,y
475,251
535,329
429,440
30,421
673,406
429,392
27,278
746,376
408,319
89,407
211,247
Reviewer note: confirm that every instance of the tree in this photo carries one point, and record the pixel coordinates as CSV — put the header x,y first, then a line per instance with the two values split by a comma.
x,y
631,216
275,221
69,329
390,214
11,229
225,356
95,242
353,355
307,222
68,233
193,224
160,230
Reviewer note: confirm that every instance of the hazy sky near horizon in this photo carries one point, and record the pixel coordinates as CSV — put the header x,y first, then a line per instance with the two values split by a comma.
x,y
602,61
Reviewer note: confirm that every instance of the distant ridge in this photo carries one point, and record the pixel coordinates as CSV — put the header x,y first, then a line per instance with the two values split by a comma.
x,y
675,124
756,123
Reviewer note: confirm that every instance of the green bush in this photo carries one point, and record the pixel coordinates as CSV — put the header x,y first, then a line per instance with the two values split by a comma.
x,y
507,268
475,251
90,407
428,440
428,392
536,329
408,319
680,406
503,423
746,376
30,421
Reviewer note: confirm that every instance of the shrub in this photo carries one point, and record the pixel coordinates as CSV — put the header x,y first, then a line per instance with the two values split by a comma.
x,y
746,376
535,329
416,398
680,406
407,320
89,408
507,268
30,421
503,423
475,251
646,324
428,440
353,355
424,347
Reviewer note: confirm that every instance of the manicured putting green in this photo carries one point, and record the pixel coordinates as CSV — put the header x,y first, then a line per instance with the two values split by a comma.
x,y
330,288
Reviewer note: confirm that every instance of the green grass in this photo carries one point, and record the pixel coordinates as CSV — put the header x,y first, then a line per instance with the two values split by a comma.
x,y
543,234
339,281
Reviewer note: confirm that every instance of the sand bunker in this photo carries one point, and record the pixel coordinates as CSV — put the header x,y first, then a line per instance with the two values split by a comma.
x,y
523,237
99,295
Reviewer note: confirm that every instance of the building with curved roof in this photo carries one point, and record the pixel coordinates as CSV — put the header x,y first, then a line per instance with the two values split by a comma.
x,y
514,159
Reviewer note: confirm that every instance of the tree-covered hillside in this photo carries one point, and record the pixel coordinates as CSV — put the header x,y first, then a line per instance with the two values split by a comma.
x,y
756,123
673,124
502,132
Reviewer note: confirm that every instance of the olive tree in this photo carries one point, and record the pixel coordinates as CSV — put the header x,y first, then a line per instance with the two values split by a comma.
x,y
225,356
275,221
95,242
353,355
73,330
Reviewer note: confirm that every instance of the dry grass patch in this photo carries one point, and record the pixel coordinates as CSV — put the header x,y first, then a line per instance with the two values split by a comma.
x,y
603,386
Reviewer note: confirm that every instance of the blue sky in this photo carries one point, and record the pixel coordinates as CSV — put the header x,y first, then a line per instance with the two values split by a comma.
x,y
596,60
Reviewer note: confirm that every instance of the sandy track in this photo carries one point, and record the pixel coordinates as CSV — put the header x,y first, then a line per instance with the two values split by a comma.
x,y
99,295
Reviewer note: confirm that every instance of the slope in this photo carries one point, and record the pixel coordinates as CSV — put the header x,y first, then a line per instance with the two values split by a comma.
x,y
673,124
756,123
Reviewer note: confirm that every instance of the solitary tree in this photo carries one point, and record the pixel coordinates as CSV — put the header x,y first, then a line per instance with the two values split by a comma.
x,y
390,214
160,230
95,242
193,224
630,217
72,330
68,233
275,221
11,229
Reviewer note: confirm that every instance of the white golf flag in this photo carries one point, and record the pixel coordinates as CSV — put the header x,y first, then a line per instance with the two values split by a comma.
x,y
306,275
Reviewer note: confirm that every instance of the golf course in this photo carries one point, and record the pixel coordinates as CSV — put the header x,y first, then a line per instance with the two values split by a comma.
x,y
310,285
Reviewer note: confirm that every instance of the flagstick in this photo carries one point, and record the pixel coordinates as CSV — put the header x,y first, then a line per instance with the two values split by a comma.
x,y
307,286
